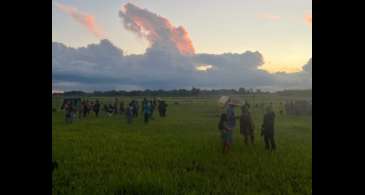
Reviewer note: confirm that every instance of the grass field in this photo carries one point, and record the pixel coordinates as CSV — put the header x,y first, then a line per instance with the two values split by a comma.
x,y
179,154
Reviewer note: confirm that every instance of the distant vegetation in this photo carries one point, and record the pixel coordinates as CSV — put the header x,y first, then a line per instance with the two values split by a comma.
x,y
188,93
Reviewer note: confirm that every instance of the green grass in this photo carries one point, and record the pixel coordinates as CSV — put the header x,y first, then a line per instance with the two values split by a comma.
x,y
180,154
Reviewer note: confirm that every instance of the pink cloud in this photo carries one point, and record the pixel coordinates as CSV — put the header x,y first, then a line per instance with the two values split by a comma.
x,y
83,18
268,16
156,29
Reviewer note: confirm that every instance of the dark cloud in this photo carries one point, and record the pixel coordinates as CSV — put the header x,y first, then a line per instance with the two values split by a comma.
x,y
104,67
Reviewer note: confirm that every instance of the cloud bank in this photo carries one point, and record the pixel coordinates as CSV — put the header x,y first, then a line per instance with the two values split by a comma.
x,y
169,63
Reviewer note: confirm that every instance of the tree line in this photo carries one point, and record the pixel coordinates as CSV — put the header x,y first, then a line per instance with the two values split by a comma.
x,y
171,93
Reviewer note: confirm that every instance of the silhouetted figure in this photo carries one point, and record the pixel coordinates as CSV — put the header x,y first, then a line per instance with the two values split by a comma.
x,y
144,101
267,129
116,102
130,113
68,111
146,110
110,109
85,108
121,107
96,108
246,125
162,108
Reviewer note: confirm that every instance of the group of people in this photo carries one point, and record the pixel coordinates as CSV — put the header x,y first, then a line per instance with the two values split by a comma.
x,y
85,107
227,124
298,107
148,108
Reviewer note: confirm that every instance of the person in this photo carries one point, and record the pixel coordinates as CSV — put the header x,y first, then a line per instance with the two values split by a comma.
x,y
96,108
136,105
267,129
68,112
246,125
231,118
144,101
85,108
162,107
121,107
226,133
116,106
110,110
152,109
130,111
146,111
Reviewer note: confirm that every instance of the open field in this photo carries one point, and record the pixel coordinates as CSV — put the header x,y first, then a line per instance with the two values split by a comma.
x,y
180,154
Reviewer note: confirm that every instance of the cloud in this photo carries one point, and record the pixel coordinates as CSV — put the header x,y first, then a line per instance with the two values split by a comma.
x,y
268,16
308,67
103,66
164,65
156,29
308,19
83,18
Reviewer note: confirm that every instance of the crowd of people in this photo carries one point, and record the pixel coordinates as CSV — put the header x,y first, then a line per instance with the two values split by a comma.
x,y
227,125
85,107
298,107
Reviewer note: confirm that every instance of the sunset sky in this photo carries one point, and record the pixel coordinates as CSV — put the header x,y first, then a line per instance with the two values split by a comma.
x,y
279,29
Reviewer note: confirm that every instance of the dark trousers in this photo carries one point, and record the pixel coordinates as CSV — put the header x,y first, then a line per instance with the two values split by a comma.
x,y
249,137
269,142
96,113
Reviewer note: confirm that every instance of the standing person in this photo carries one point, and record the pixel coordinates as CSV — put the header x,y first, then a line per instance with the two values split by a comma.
x,y
146,111
85,108
226,133
87,104
110,109
130,111
136,104
163,108
116,105
121,107
160,107
267,129
246,125
152,109
231,118
97,108
68,112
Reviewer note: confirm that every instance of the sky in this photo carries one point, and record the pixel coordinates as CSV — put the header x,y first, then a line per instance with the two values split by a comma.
x,y
253,43
276,28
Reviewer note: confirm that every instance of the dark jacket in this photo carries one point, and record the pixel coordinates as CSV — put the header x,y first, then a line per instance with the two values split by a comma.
x,y
268,124
246,123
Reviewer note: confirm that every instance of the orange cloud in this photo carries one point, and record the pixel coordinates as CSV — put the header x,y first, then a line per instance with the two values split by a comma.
x,y
308,19
83,18
156,29
268,16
